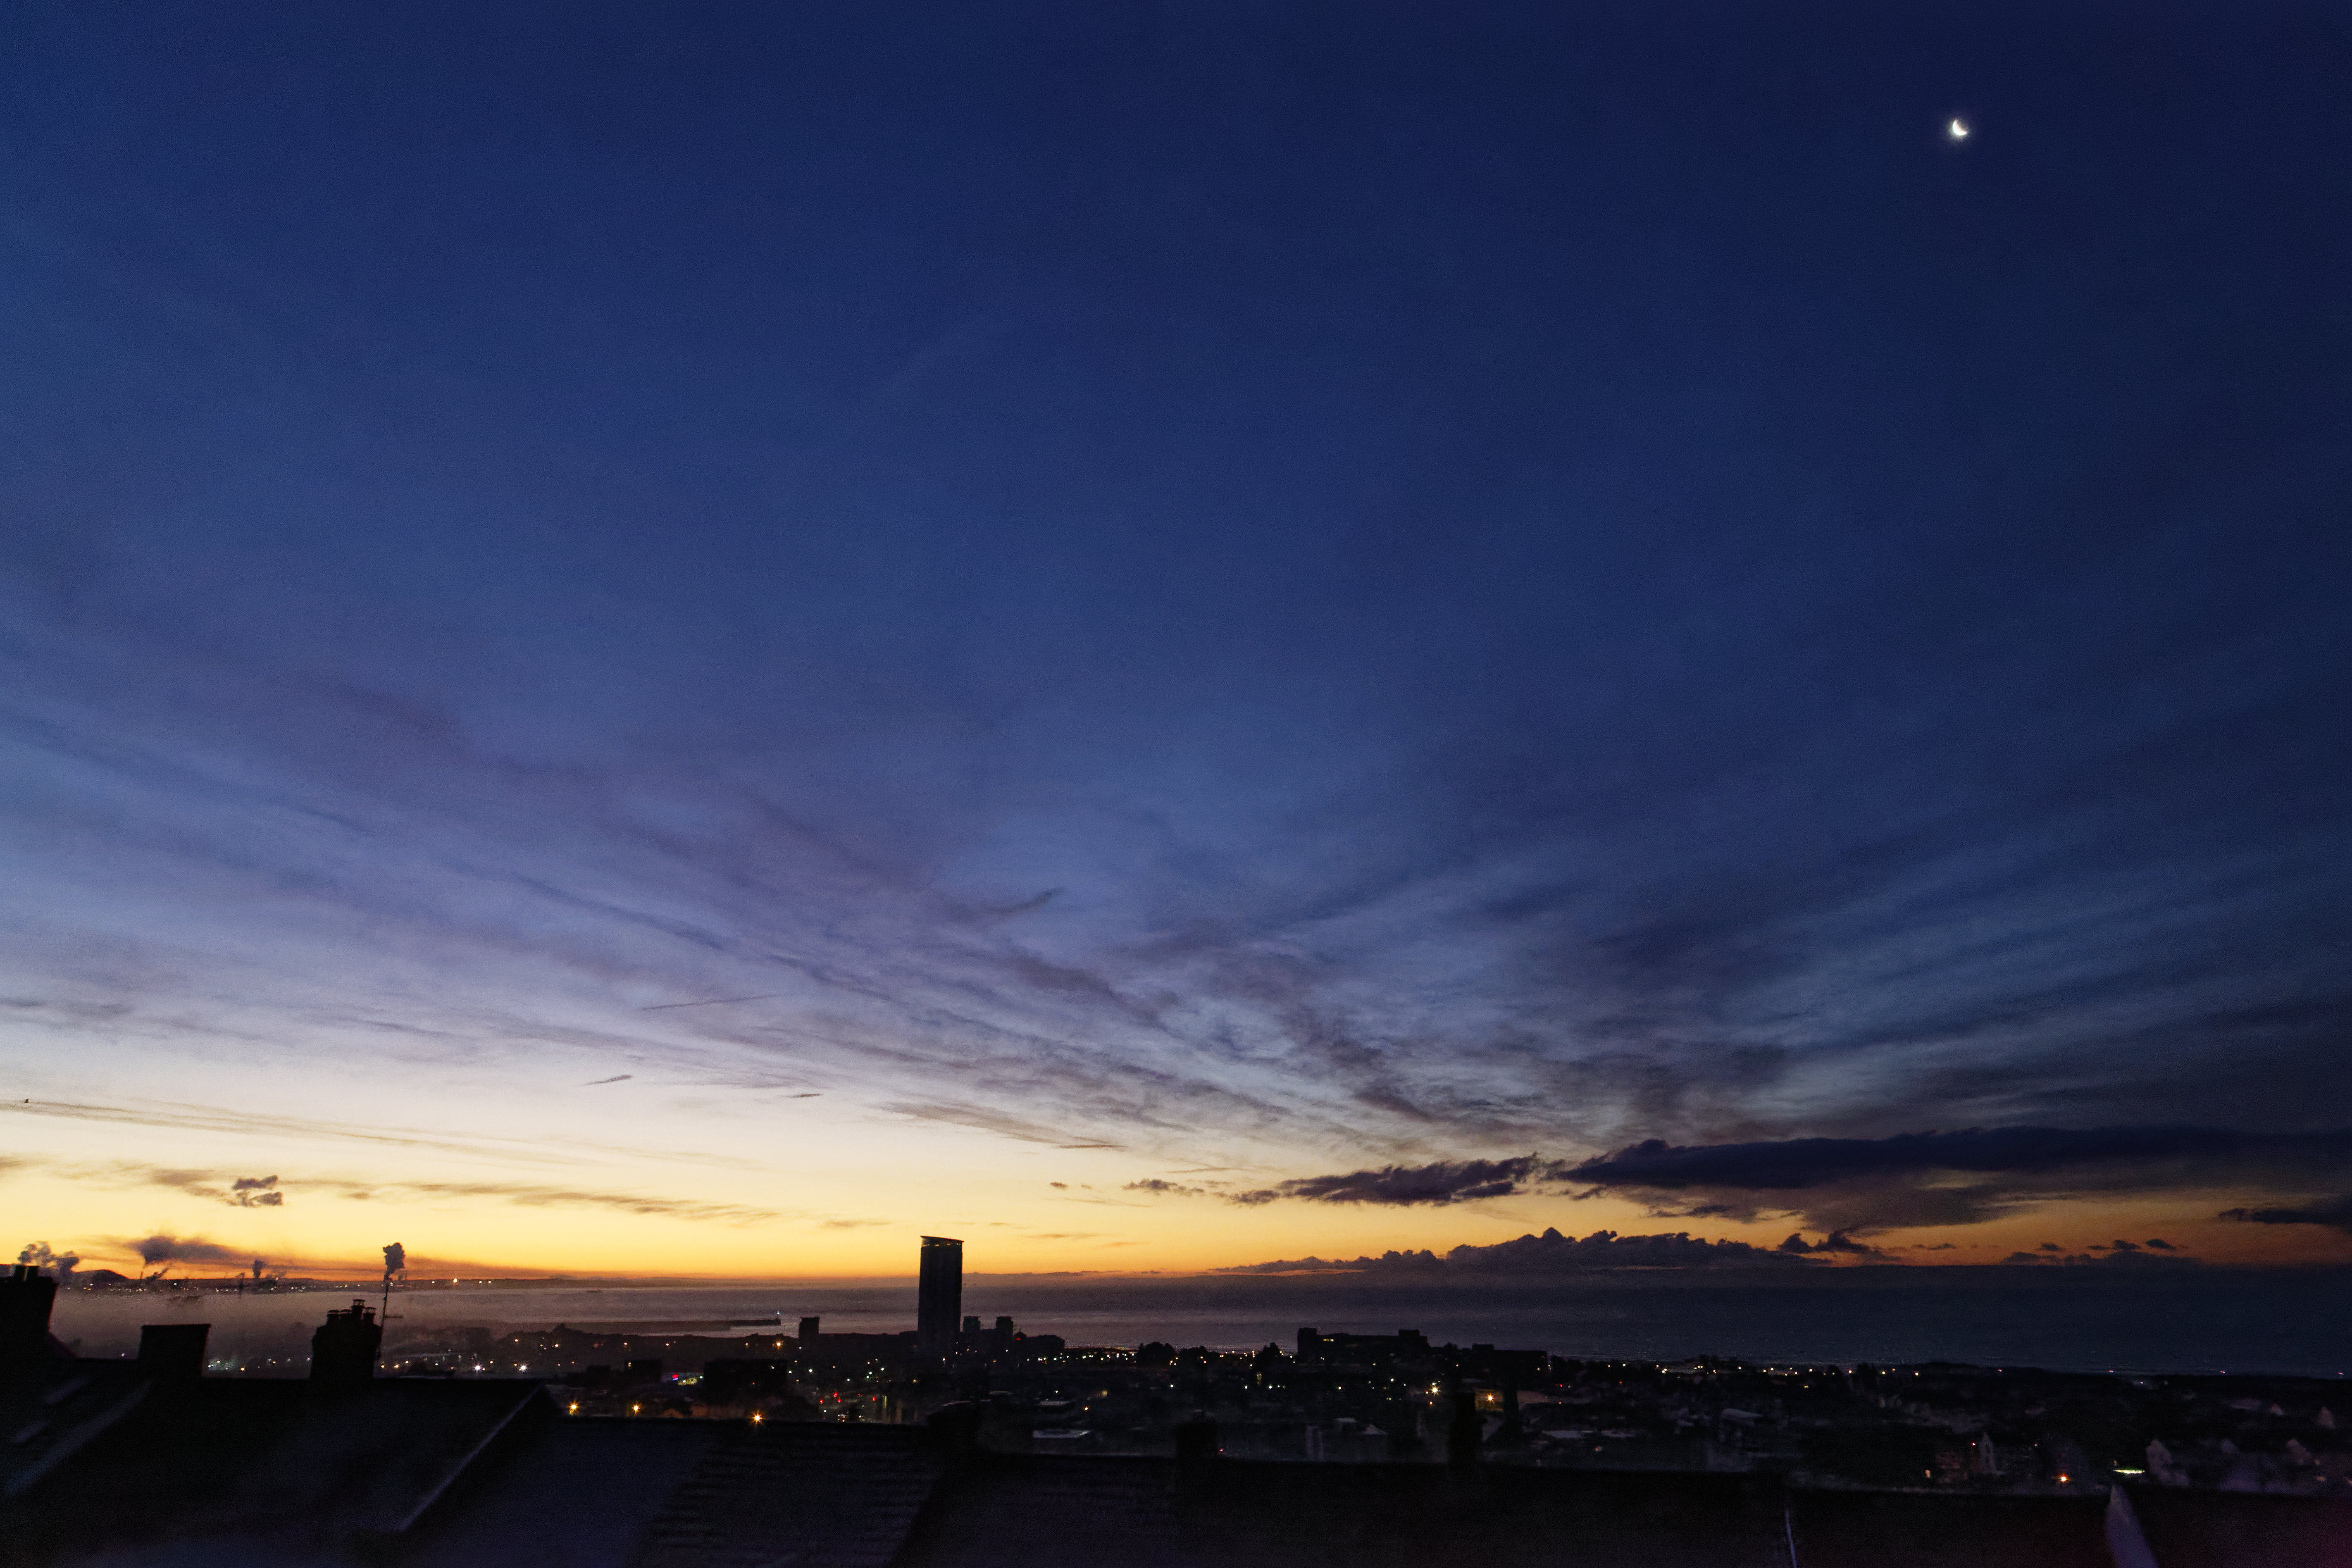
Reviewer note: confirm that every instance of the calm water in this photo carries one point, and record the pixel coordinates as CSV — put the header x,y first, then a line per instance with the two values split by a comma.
x,y
2184,1320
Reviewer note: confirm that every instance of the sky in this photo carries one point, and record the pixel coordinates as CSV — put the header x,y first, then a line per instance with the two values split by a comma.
x,y
690,641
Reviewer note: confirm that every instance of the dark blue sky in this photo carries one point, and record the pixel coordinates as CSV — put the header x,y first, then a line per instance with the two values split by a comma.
x,y
1524,576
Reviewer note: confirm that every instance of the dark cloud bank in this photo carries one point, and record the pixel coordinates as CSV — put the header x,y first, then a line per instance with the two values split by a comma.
x,y
1550,1253
1442,1182
1847,1185
1980,1174
1533,1256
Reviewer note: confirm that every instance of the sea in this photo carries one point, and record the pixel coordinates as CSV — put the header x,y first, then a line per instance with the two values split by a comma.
x,y
2162,1319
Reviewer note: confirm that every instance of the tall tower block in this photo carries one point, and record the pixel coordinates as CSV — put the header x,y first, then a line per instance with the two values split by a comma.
x,y
938,1301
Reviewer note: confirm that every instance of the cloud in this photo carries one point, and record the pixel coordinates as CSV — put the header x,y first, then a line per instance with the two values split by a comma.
x,y
240,1192
850,1223
1758,819
2335,1213
265,1192
532,1197
1816,1161
1155,1184
212,1119
1836,1242
2105,1256
991,1121
1550,1253
1922,1179
1444,1182
256,1192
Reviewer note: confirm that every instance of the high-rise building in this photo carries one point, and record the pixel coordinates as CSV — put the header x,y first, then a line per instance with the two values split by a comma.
x,y
938,1299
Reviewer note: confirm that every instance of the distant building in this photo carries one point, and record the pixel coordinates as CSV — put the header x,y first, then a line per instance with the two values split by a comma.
x,y
1406,1347
938,1299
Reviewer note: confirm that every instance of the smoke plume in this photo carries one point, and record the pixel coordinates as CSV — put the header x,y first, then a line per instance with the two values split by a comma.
x,y
39,1256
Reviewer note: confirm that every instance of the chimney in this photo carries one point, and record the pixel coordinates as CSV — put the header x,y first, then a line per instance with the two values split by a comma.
x,y
1196,1455
25,1297
342,1352
1465,1431
172,1352
956,1427
1196,1440
808,1328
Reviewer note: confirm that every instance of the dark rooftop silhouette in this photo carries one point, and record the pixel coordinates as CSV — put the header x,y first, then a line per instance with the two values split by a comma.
x,y
149,1461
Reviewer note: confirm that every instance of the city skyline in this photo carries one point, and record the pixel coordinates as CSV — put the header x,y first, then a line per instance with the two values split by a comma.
x,y
1173,640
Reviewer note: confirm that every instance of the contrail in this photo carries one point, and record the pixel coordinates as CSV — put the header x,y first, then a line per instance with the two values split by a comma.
x,y
714,1002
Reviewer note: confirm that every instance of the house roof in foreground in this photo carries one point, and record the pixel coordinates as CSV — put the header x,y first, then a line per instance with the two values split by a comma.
x,y
480,1473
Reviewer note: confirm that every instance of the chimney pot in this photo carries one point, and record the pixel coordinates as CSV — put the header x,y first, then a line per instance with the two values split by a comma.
x,y
172,1352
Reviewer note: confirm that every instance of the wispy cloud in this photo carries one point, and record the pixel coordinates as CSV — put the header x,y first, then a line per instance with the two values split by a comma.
x,y
211,1119
996,1121
214,1120
237,1192
530,1196
1488,953
268,1192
